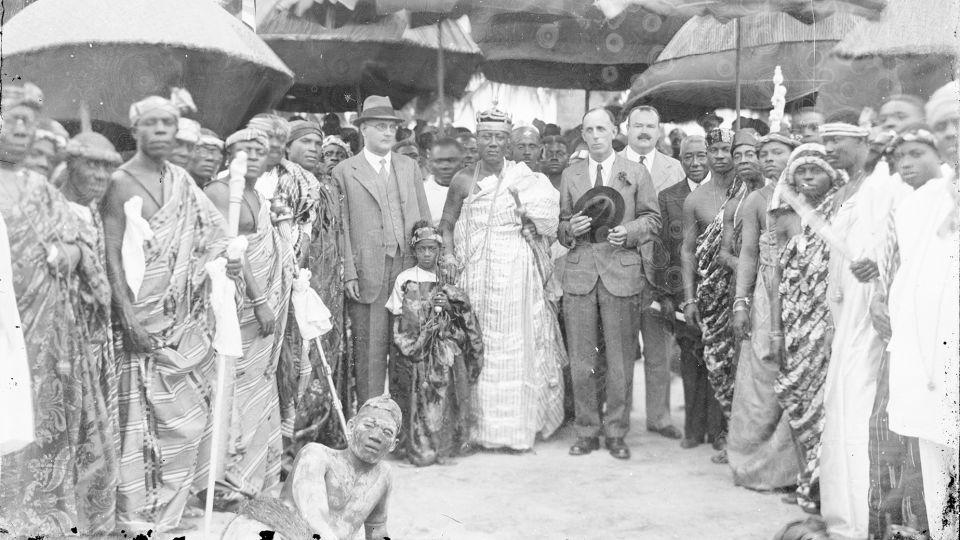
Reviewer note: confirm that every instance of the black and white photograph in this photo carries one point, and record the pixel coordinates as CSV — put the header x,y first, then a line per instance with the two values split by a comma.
x,y
479,269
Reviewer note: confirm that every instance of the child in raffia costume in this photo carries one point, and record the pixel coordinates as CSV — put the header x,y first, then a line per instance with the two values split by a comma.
x,y
441,353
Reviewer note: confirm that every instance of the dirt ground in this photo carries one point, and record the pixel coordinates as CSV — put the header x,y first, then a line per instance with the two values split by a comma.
x,y
663,492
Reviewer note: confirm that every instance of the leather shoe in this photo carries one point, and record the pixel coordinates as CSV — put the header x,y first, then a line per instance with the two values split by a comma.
x,y
669,432
584,446
689,443
618,448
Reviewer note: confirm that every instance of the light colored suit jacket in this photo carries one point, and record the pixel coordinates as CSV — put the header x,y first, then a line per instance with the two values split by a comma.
x,y
365,222
620,268
665,172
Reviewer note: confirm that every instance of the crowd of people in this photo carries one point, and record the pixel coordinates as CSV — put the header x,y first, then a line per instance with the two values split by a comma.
x,y
494,284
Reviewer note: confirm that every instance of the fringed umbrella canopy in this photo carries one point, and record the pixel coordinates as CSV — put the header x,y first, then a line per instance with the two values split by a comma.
x,y
111,53
570,52
696,70
386,57
907,27
805,11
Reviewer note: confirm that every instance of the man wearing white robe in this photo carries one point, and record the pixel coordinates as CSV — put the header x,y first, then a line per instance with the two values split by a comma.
x,y
924,309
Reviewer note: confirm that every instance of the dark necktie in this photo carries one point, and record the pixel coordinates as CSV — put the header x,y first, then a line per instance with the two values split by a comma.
x,y
599,181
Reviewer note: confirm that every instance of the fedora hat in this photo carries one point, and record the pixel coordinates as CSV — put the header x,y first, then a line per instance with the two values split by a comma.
x,y
604,206
377,108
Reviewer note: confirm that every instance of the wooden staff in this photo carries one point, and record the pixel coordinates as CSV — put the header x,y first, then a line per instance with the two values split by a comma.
x,y
238,170
328,373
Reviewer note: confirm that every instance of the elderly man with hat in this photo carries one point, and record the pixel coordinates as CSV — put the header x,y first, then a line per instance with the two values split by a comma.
x,y
383,198
604,282
504,255
151,281
760,447
207,158
705,278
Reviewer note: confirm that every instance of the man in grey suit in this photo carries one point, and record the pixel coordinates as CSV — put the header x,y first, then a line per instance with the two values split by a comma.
x,y
659,345
383,198
602,285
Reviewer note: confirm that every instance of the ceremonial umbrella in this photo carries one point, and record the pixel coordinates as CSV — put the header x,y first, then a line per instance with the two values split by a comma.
x,y
111,53
922,42
581,49
805,11
336,68
697,70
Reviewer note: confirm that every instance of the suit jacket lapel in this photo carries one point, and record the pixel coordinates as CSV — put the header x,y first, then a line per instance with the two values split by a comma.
x,y
367,177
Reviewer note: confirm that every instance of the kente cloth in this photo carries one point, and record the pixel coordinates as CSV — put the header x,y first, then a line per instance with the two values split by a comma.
x,y
311,417
295,204
896,494
166,394
850,387
760,447
67,477
254,447
714,300
520,391
808,329
439,351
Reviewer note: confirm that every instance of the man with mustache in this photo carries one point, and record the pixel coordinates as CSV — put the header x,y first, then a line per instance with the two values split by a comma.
x,y
703,306
659,346
759,445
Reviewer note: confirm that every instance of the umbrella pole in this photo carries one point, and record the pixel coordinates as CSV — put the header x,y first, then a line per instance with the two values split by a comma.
x,y
737,73
586,101
441,105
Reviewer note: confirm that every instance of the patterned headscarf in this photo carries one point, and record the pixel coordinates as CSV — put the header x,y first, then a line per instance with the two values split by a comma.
x,y
914,133
384,403
302,128
152,103
272,125
717,135
91,145
188,130
843,129
426,233
335,140
248,134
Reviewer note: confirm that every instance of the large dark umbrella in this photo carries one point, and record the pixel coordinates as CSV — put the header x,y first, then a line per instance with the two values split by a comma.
x,y
111,53
805,11
591,53
698,69
336,68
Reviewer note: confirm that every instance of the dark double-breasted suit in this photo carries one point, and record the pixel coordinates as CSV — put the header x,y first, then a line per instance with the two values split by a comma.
x,y
376,249
602,285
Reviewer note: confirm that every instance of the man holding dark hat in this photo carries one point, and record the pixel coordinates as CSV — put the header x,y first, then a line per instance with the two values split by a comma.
x,y
383,198
603,281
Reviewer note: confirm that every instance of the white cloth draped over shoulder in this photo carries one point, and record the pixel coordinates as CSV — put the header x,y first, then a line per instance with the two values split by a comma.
x,y
925,318
520,391
16,397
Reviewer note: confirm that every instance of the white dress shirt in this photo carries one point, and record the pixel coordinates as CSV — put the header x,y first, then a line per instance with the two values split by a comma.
x,y
607,168
374,160
648,158
693,185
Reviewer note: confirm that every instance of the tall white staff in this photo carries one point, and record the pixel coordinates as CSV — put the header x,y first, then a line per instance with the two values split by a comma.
x,y
226,341
313,320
